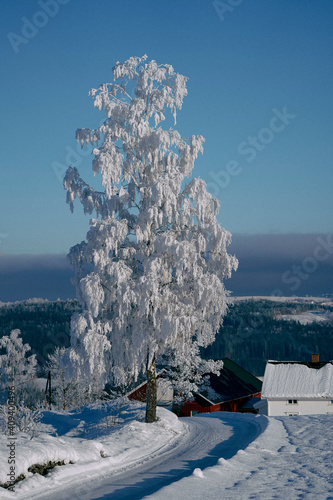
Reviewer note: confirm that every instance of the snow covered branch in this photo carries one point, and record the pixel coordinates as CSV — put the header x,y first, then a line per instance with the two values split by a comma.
x,y
150,273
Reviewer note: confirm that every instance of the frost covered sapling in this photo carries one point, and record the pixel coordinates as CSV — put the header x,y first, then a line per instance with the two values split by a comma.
x,y
67,392
18,378
150,273
16,368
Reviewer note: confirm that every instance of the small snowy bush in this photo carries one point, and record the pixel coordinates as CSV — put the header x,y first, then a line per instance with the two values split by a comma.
x,y
23,419
20,409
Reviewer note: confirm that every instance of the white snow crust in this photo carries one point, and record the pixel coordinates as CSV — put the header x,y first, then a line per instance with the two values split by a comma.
x,y
83,437
291,459
309,317
288,458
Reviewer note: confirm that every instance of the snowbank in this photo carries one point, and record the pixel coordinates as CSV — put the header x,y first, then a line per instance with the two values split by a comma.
x,y
90,443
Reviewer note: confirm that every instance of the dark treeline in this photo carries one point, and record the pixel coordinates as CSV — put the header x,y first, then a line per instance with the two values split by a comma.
x,y
251,333
44,325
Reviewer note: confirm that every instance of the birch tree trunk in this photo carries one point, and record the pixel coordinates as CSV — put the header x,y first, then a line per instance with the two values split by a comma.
x,y
151,391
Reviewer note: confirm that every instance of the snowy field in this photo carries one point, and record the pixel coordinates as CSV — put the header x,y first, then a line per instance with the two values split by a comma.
x,y
293,300
217,456
325,301
304,318
308,317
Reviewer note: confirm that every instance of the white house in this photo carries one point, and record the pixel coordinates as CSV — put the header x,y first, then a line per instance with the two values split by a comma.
x,y
297,388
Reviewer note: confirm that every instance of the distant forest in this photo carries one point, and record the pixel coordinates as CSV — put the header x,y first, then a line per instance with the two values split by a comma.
x,y
44,325
250,335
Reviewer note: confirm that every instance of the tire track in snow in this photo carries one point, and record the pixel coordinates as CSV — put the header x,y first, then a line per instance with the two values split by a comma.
x,y
208,438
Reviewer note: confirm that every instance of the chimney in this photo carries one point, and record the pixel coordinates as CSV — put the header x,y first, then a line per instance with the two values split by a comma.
x,y
314,358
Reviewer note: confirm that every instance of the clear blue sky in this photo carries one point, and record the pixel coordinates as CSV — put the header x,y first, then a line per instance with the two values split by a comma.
x,y
243,71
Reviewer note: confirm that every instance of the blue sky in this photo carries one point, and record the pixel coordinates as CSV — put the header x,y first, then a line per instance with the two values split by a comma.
x,y
259,91
261,59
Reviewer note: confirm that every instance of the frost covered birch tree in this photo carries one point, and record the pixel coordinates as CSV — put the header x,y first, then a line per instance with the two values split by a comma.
x,y
150,273
17,369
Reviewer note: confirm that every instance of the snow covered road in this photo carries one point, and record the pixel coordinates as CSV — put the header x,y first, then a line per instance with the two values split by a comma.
x,y
291,460
206,439
220,456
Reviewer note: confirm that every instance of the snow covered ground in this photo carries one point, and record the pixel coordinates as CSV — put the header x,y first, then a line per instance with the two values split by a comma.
x,y
304,318
291,459
308,317
217,456
325,301
88,439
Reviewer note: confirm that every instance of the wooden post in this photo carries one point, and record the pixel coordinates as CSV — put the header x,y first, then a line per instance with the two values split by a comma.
x,y
151,391
50,401
48,386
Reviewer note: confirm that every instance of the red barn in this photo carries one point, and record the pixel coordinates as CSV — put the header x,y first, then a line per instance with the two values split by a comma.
x,y
164,392
234,389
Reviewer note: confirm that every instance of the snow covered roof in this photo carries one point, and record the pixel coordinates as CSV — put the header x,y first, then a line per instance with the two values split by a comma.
x,y
298,380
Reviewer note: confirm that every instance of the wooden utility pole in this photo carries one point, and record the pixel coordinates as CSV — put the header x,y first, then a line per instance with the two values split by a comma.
x,y
48,386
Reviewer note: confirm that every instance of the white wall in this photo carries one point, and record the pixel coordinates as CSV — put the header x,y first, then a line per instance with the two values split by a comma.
x,y
302,407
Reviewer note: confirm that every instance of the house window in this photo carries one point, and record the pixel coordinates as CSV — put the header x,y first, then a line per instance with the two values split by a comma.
x,y
292,401
292,414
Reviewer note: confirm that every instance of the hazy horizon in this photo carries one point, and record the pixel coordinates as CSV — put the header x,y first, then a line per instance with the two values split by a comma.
x,y
286,265
259,92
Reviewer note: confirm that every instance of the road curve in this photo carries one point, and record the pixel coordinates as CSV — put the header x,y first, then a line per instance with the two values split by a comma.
x,y
207,438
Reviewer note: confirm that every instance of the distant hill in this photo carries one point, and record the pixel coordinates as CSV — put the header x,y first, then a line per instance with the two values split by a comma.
x,y
254,330
44,324
258,329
